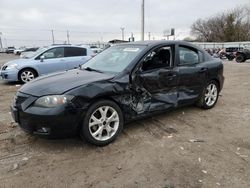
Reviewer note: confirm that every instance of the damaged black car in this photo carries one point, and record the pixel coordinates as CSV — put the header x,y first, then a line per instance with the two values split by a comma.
x,y
123,83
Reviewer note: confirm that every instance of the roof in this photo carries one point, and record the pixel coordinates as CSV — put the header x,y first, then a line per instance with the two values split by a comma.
x,y
156,42
68,45
159,42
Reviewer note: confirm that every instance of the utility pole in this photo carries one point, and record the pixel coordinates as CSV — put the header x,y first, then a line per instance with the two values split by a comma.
x,y
68,36
6,44
1,44
122,28
142,20
149,35
53,38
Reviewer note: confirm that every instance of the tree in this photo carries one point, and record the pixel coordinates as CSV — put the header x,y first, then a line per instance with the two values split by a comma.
x,y
230,26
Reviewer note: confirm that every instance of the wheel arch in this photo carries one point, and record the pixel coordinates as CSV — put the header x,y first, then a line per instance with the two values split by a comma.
x,y
98,98
105,97
30,68
240,53
217,81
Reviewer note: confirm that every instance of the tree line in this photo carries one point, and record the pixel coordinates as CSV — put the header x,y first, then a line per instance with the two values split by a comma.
x,y
230,26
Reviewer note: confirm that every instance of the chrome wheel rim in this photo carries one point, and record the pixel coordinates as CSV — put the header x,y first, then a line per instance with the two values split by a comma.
x,y
27,76
104,123
211,94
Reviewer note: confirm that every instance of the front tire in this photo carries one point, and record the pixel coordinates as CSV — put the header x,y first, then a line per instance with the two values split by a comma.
x,y
230,58
102,123
27,75
209,95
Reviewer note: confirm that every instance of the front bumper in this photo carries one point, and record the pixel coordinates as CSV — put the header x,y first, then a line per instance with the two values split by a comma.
x,y
52,123
9,75
221,80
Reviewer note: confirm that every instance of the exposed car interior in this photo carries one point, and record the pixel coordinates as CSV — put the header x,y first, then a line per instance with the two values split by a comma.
x,y
158,58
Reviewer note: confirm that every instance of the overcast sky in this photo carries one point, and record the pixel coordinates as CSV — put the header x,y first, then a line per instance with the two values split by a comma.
x,y
29,22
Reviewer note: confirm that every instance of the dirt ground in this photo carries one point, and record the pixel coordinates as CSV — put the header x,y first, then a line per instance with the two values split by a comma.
x,y
155,152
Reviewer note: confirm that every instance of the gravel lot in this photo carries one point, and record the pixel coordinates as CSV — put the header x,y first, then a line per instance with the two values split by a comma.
x,y
155,152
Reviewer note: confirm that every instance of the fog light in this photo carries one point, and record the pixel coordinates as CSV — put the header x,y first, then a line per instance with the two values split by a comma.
x,y
43,130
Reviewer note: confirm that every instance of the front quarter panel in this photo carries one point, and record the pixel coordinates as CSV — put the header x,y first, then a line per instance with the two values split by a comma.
x,y
117,90
29,64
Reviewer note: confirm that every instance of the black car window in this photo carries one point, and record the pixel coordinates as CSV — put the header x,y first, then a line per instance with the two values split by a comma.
x,y
74,51
54,53
158,58
188,56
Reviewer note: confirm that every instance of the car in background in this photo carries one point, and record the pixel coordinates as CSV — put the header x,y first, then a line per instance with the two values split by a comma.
x,y
10,50
96,50
123,83
44,61
28,51
19,50
243,55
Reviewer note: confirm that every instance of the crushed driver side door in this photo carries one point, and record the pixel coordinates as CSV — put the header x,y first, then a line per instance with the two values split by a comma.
x,y
155,89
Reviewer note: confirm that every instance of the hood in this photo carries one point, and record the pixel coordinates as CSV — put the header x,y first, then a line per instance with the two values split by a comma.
x,y
16,61
59,83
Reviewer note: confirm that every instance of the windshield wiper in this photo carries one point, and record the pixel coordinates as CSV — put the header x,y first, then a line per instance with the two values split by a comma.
x,y
91,69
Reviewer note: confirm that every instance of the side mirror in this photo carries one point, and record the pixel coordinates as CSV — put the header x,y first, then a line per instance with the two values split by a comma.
x,y
42,58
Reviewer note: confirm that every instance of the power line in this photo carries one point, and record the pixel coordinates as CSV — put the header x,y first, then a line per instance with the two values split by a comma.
x,y
60,30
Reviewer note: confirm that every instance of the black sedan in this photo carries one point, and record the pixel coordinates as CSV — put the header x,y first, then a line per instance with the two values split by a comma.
x,y
123,83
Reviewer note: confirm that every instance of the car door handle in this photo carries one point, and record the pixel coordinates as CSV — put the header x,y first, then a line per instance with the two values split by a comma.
x,y
171,75
202,70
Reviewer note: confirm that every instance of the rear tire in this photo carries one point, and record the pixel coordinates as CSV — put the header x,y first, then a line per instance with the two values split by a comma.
x,y
102,123
240,58
209,96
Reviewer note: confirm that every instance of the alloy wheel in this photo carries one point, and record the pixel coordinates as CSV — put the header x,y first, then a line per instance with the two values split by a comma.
x,y
104,123
211,94
27,76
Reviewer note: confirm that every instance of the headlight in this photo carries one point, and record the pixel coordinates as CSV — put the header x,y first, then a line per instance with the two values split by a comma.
x,y
11,66
53,101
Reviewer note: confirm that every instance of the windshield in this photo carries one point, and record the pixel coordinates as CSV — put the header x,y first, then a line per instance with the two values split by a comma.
x,y
29,55
114,59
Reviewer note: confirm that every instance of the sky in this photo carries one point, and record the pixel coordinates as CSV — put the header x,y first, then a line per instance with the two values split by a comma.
x,y
29,22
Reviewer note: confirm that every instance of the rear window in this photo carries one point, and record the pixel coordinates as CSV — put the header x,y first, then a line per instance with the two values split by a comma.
x,y
74,51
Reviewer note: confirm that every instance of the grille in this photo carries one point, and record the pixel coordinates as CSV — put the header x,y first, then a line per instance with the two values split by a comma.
x,y
18,100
